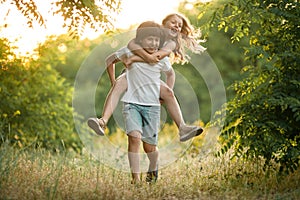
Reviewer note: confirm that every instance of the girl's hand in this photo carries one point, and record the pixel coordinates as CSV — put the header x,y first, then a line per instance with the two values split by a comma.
x,y
161,101
127,62
152,59
112,83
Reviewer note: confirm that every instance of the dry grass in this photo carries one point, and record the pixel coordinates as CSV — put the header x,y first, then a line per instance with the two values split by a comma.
x,y
39,175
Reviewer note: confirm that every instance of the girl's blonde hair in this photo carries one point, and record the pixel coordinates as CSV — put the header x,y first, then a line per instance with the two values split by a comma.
x,y
189,38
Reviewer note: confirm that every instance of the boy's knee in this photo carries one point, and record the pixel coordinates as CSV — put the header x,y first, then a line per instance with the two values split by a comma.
x,y
148,148
134,136
133,143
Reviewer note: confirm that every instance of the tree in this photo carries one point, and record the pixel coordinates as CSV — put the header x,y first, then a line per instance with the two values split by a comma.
x,y
263,118
35,104
36,101
77,14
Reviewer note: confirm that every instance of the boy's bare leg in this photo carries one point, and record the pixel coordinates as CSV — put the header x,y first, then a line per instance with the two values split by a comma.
x,y
134,140
113,97
152,153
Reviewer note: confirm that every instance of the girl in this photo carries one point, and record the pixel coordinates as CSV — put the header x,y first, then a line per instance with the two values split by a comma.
x,y
179,35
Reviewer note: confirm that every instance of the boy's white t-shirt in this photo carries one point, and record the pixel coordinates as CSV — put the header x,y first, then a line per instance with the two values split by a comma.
x,y
143,80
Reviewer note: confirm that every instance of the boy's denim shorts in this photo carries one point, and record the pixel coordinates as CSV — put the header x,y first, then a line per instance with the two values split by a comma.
x,y
145,119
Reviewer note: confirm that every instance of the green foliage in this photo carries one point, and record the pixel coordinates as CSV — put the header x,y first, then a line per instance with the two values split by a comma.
x,y
227,56
77,14
29,10
88,12
35,104
263,118
64,53
68,56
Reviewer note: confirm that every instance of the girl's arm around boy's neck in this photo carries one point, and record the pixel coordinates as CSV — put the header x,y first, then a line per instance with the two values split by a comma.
x,y
166,50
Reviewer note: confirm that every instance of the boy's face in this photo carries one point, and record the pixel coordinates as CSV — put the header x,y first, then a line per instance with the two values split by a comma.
x,y
150,44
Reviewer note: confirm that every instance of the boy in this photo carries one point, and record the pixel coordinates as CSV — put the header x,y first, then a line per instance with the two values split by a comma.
x,y
141,100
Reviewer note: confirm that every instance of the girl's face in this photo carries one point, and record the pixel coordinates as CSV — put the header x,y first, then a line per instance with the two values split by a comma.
x,y
174,24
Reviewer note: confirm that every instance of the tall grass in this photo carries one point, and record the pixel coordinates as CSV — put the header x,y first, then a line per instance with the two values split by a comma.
x,y
38,174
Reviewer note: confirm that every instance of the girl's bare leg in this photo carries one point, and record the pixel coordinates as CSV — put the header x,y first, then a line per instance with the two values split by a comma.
x,y
186,132
113,97
111,102
171,102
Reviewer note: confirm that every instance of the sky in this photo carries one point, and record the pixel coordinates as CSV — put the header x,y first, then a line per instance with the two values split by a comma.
x,y
26,39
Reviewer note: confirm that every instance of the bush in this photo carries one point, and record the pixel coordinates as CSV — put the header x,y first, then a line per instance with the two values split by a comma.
x,y
35,104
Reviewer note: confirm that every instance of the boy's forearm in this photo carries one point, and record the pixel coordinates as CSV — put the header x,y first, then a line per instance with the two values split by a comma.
x,y
170,78
171,82
111,73
110,67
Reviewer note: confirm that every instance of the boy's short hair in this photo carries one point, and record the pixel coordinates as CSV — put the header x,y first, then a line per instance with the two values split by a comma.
x,y
148,28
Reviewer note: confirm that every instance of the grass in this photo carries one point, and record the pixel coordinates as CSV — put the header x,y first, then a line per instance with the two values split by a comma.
x,y
38,174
